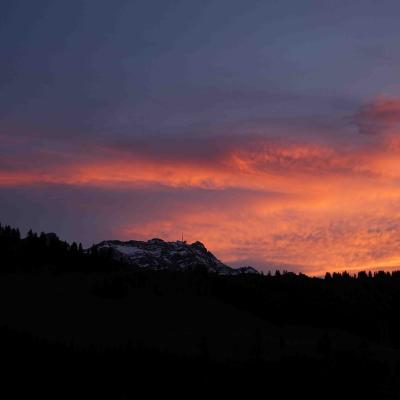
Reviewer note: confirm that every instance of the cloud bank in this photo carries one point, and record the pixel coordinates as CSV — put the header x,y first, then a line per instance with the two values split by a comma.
x,y
275,201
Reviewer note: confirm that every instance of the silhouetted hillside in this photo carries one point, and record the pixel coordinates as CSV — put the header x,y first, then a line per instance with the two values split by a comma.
x,y
158,255
80,324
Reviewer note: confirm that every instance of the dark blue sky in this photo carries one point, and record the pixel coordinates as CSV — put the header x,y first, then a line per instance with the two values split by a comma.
x,y
168,67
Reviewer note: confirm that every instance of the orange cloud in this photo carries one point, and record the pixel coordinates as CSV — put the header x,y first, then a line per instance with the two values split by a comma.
x,y
311,206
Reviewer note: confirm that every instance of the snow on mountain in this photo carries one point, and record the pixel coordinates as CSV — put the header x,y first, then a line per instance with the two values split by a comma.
x,y
247,270
158,254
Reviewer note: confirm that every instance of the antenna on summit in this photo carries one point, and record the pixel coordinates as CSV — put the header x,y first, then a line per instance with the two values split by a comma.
x,y
182,237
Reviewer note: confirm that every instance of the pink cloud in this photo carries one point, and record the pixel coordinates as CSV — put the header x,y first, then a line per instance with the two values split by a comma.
x,y
308,203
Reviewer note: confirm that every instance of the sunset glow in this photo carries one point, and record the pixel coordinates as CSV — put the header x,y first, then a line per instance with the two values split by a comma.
x,y
276,203
282,162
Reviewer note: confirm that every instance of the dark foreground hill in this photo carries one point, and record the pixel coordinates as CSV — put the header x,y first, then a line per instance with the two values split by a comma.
x,y
82,325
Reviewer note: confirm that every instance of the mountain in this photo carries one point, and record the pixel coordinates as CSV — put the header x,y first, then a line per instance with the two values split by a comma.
x,y
246,270
158,254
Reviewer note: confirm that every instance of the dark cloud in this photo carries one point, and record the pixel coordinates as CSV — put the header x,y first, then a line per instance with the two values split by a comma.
x,y
378,116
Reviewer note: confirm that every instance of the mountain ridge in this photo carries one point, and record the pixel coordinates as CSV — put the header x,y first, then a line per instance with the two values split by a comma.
x,y
158,254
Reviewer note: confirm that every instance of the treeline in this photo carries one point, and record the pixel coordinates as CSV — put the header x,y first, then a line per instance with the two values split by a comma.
x,y
46,251
366,304
344,275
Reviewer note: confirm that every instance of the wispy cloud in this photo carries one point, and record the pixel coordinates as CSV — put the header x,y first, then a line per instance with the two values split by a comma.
x,y
303,203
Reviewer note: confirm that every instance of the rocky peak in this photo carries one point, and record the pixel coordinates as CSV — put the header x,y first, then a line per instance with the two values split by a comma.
x,y
159,254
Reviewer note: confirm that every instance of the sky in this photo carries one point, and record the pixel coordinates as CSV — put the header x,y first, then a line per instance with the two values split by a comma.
x,y
268,130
